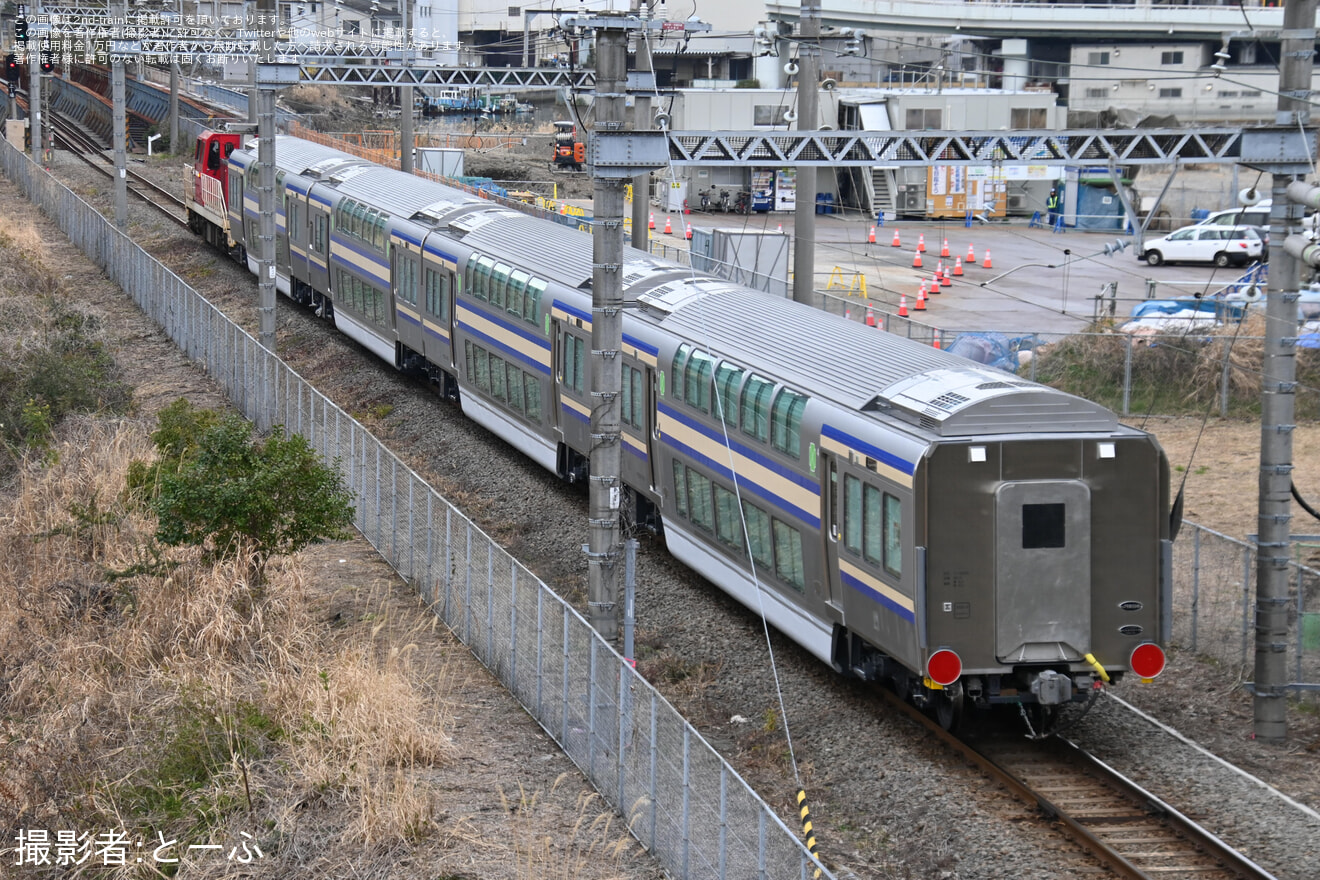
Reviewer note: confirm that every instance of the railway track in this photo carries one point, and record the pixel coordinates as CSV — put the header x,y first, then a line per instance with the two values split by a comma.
x,y
89,151
1126,828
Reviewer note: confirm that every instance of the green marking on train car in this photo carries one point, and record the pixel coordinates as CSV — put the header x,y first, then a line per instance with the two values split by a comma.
x,y
547,323
662,383
811,456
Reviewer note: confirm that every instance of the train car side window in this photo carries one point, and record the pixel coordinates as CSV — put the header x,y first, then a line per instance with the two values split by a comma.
x,y
680,362
697,391
437,293
788,555
574,351
758,536
497,375
1042,526
852,514
728,524
873,539
786,422
680,488
532,386
728,379
893,535
514,383
513,297
701,508
499,282
532,301
756,407
630,409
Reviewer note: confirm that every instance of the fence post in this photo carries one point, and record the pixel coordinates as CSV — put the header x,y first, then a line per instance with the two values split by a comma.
x,y
655,753
540,656
563,726
428,591
1223,379
449,561
724,821
591,705
1127,373
467,589
513,626
1196,583
687,801
1246,599
490,601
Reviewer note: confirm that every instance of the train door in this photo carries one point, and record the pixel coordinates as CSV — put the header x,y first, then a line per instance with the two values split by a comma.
x,y
405,274
829,469
318,242
1042,571
556,376
297,228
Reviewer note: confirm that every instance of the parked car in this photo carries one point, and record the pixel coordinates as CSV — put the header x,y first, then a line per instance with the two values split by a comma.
x,y
1256,216
1221,245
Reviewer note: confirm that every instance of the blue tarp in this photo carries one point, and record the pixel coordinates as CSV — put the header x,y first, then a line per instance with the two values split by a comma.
x,y
992,349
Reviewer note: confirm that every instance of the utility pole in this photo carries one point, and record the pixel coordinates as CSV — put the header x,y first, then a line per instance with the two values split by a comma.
x,y
119,126
405,102
265,109
606,487
1291,144
641,184
614,156
174,105
804,214
34,93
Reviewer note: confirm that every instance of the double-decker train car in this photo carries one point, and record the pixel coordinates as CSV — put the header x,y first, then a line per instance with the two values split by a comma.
x,y
899,512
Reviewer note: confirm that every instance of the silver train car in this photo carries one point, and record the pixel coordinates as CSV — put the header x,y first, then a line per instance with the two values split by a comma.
x,y
901,513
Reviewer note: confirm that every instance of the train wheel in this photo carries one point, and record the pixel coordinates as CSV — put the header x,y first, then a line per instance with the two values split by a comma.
x,y
947,706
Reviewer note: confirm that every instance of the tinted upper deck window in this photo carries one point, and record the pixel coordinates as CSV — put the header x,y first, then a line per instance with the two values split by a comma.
x,y
1042,526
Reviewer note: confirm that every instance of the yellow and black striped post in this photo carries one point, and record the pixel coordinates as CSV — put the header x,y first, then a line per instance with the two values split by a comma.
x,y
805,812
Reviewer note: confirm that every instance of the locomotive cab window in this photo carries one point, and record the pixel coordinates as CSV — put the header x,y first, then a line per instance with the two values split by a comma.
x,y
1042,526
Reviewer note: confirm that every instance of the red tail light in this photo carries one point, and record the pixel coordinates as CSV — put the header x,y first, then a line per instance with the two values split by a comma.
x,y
944,667
1147,660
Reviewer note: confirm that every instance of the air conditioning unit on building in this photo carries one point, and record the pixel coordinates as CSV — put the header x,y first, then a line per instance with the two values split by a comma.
x,y
1017,202
911,200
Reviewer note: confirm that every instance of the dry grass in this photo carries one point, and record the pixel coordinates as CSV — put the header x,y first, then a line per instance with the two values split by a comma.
x,y
182,698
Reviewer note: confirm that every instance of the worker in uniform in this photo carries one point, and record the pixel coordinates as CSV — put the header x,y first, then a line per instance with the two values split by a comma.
x,y
1052,206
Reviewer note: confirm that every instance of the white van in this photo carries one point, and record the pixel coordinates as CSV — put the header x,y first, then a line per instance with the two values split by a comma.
x,y
1256,217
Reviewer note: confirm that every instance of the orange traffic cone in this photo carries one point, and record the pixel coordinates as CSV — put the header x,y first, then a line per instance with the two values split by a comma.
x,y
650,224
781,228
971,254
669,227
945,281
939,272
563,210
921,298
871,238
847,312
902,305
944,251
921,243
916,260
957,267
936,342
870,316
896,242
688,234
985,264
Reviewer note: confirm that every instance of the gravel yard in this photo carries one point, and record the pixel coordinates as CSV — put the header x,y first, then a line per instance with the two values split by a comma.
x,y
884,802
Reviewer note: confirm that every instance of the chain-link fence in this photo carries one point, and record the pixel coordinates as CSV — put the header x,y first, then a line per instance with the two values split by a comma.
x,y
680,798
1214,596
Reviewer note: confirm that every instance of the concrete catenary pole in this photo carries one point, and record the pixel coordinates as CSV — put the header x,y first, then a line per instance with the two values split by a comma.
x,y
804,216
606,489
405,101
174,105
641,184
1278,388
119,131
265,105
34,93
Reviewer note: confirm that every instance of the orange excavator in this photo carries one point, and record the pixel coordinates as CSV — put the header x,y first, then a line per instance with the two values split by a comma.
x,y
570,152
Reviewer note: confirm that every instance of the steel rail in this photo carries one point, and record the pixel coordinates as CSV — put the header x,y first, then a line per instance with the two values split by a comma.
x,y
1193,840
